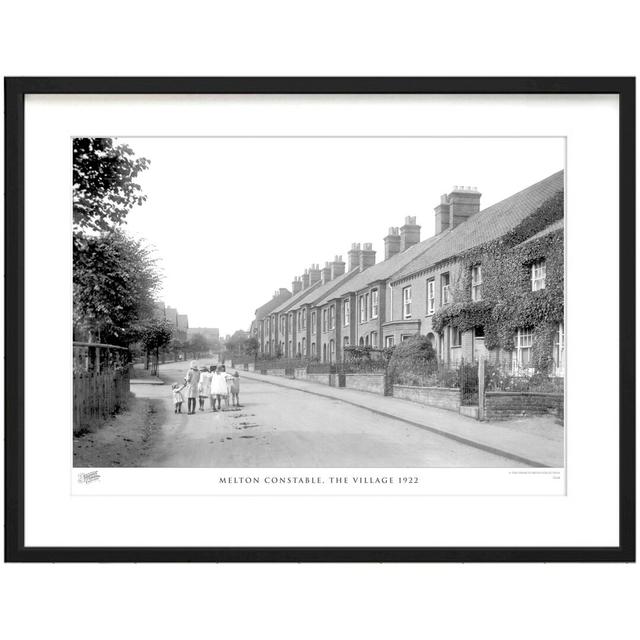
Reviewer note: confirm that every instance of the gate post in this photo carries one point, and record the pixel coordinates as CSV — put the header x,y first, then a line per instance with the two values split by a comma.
x,y
481,388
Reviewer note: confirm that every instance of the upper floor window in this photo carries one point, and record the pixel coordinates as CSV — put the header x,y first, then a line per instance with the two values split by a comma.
x,y
476,282
538,275
283,322
313,321
374,303
363,310
291,322
332,317
431,296
406,302
445,282
304,318
367,308
346,312
299,314
324,320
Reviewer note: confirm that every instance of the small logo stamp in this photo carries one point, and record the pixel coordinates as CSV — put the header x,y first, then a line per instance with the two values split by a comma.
x,y
90,476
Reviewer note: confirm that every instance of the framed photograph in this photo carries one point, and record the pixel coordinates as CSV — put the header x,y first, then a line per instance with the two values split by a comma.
x,y
320,319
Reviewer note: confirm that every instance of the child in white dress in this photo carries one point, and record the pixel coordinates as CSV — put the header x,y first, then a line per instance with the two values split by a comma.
x,y
177,396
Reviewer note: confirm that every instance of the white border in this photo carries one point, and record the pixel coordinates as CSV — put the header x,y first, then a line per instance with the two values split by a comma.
x,y
587,516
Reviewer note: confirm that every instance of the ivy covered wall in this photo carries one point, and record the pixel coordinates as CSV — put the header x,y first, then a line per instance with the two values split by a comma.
x,y
508,303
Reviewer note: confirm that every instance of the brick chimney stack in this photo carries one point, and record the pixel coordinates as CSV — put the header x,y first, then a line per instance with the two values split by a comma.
x,y
392,243
409,233
296,285
442,214
354,256
305,279
457,207
367,256
314,274
325,273
337,267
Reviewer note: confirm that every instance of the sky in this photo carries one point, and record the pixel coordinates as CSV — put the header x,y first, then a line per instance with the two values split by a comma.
x,y
234,219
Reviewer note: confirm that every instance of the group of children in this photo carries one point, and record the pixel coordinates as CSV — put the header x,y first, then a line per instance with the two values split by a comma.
x,y
213,383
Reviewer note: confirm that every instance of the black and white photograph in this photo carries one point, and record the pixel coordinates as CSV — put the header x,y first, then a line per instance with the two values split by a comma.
x,y
318,302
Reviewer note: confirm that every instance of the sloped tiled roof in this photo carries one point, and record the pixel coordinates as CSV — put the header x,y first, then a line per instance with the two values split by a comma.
x,y
327,288
383,270
486,225
266,308
559,224
289,302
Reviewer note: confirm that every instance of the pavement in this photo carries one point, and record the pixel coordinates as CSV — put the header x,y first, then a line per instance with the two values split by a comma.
x,y
532,441
295,423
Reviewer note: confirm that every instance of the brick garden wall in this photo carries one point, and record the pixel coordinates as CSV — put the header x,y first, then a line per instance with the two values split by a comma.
x,y
506,405
372,382
431,396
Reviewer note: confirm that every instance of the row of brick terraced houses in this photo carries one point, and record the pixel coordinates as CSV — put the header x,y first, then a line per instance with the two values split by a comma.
x,y
362,302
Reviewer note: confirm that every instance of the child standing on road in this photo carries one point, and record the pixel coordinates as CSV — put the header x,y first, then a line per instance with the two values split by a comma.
x,y
204,386
234,389
177,396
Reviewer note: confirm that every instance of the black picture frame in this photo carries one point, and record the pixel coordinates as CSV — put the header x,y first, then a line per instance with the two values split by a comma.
x,y
15,91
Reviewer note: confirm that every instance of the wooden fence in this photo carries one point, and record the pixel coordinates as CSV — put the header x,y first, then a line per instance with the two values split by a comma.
x,y
100,382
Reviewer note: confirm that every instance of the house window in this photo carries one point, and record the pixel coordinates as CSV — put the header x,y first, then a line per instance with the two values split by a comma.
x,y
538,275
299,314
388,342
374,303
332,351
289,349
558,351
345,341
313,349
445,282
363,315
367,308
366,340
304,346
479,331
476,282
456,337
324,320
313,322
346,311
304,318
406,302
405,337
431,296
299,351
332,317
291,322
374,339
524,344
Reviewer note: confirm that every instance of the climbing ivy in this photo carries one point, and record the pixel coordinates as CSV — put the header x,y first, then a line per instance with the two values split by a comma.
x,y
507,299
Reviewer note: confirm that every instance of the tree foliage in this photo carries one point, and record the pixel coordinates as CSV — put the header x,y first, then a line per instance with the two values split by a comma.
x,y
115,279
104,190
155,335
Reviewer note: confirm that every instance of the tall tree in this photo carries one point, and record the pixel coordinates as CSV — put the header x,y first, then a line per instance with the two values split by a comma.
x,y
104,187
155,335
115,279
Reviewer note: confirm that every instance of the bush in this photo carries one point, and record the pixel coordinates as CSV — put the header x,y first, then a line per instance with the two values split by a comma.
x,y
412,361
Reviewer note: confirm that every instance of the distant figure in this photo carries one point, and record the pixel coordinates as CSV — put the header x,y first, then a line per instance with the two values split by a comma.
x,y
191,380
233,383
204,386
177,396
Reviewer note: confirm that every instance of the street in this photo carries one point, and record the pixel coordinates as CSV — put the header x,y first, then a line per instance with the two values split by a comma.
x,y
280,427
